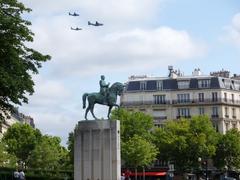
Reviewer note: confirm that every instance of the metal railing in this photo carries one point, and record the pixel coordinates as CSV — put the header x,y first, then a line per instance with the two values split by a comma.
x,y
182,102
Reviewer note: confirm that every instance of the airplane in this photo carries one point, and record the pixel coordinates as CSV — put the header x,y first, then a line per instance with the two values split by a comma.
x,y
76,29
74,14
96,24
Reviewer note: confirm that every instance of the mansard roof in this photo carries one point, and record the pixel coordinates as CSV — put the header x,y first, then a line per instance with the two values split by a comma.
x,y
171,84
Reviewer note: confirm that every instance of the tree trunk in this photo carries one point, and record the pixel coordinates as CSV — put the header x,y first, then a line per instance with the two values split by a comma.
x,y
135,173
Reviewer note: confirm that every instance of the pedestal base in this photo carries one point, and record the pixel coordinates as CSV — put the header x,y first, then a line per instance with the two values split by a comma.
x,y
97,150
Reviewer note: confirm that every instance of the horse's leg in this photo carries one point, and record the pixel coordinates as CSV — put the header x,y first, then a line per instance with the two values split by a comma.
x,y
109,111
91,109
86,112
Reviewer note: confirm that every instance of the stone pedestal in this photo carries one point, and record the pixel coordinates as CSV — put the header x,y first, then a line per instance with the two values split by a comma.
x,y
97,150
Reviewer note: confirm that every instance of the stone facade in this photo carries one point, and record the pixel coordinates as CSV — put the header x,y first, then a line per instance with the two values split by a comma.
x,y
179,96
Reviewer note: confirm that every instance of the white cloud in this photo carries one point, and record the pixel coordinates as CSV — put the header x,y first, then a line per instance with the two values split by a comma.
x,y
125,44
48,93
109,10
93,49
233,31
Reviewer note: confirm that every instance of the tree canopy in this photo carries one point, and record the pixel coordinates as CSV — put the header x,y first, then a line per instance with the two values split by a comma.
x,y
17,61
133,123
48,154
138,152
21,139
136,138
228,150
184,141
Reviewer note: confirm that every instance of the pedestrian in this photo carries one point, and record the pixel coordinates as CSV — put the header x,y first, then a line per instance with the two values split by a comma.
x,y
21,175
16,174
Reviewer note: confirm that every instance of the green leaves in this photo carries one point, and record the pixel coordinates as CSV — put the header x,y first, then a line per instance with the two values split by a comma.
x,y
228,150
183,141
21,139
138,152
35,150
17,62
48,154
137,149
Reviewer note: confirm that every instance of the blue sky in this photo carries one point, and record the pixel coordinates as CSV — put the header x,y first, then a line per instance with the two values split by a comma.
x,y
138,37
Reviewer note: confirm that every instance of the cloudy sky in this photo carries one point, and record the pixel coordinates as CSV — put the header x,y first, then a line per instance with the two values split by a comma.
x,y
139,37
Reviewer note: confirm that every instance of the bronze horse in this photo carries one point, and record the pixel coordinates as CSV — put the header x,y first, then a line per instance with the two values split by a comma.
x,y
96,98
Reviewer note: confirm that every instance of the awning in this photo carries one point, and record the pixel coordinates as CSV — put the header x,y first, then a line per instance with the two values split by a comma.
x,y
149,174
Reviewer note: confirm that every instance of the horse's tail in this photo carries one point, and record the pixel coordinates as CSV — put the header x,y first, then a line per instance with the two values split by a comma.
x,y
84,97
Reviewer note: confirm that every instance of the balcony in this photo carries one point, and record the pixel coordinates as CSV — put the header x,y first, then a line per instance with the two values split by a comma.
x,y
183,102
160,117
215,116
179,117
139,103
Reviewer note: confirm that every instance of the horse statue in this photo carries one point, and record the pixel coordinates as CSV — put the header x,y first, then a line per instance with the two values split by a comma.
x,y
97,98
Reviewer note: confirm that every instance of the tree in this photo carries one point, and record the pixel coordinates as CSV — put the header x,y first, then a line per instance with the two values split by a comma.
x,y
184,141
136,138
138,152
228,151
21,139
17,61
6,159
48,154
133,123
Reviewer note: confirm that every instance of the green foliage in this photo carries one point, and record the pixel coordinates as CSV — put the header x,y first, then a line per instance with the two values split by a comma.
x,y
184,141
133,123
138,152
6,159
136,137
17,61
48,154
21,139
228,150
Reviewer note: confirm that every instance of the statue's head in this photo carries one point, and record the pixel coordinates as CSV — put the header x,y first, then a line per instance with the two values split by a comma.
x,y
102,77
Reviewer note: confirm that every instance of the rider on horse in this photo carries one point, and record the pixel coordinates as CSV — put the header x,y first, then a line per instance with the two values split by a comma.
x,y
104,88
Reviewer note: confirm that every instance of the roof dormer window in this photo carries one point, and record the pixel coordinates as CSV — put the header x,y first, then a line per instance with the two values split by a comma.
x,y
183,84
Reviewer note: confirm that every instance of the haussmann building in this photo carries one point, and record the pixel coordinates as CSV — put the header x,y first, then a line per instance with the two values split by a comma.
x,y
166,98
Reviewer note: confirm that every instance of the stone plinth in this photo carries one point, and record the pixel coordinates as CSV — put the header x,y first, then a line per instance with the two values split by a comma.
x,y
97,150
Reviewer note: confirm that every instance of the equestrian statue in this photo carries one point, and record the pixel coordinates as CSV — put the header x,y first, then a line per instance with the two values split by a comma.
x,y
107,96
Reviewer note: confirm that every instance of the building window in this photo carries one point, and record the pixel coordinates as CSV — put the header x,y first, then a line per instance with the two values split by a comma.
x,y
227,126
204,83
233,113
234,125
214,112
159,99
183,112
183,84
214,96
215,126
226,112
143,85
201,97
225,97
232,98
201,110
183,98
159,85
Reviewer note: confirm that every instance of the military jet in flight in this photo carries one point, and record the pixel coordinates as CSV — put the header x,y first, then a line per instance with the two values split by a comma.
x,y
95,24
76,29
74,14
